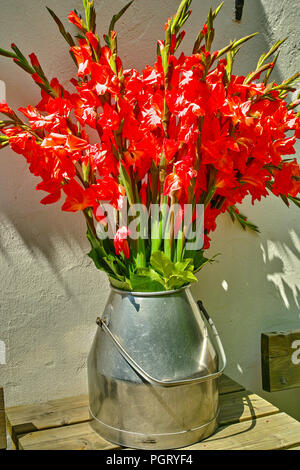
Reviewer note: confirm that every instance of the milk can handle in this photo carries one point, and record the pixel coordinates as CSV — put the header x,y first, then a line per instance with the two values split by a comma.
x,y
169,383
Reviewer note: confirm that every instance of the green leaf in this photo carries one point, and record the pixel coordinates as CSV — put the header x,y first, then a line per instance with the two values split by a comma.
x,y
98,254
67,36
242,219
21,57
180,279
146,280
196,256
150,273
116,262
285,199
184,19
206,261
90,14
189,276
295,200
273,49
109,263
215,13
126,182
198,259
162,264
186,265
174,275
116,17
235,45
180,16
241,41
4,141
5,53
94,255
120,284
26,67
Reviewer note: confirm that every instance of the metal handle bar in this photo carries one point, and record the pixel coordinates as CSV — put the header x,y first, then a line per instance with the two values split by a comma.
x,y
169,383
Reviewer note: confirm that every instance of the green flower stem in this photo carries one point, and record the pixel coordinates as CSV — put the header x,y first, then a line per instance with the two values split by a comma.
x,y
141,249
169,229
181,243
172,224
90,222
160,224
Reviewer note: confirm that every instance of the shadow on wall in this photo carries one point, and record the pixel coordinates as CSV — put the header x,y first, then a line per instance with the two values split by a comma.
x,y
285,261
253,288
41,234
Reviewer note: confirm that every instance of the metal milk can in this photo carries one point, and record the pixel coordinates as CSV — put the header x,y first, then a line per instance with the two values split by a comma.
x,y
153,370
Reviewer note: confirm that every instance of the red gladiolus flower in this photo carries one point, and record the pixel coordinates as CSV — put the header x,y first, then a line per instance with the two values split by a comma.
x,y
120,241
107,189
5,109
20,141
287,180
54,190
68,142
92,40
37,120
37,78
170,147
282,147
104,78
77,198
109,119
34,60
74,19
173,185
75,144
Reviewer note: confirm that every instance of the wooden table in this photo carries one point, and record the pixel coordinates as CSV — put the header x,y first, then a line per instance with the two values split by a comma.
x,y
247,421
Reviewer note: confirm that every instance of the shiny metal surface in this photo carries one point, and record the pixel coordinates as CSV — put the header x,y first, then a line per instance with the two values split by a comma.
x,y
168,338
169,383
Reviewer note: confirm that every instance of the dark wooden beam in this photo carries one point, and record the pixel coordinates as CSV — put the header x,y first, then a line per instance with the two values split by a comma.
x,y
280,354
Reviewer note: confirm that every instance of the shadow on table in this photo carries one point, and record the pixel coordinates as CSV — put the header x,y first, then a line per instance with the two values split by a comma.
x,y
235,408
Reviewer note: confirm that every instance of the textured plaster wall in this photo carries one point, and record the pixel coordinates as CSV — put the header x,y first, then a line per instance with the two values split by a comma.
x,y
51,293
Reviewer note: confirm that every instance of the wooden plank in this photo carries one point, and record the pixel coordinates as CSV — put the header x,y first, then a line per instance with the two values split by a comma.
x,y
235,407
3,442
75,437
242,406
278,431
66,411
227,385
280,360
55,413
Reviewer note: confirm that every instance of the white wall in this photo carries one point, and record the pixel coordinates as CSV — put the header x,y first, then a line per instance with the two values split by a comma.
x,y
50,291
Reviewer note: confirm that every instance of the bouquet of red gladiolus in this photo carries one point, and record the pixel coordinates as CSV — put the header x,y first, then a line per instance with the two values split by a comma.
x,y
177,144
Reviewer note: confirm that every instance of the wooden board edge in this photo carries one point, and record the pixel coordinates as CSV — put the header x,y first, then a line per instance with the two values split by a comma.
x,y
3,440
13,435
265,363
